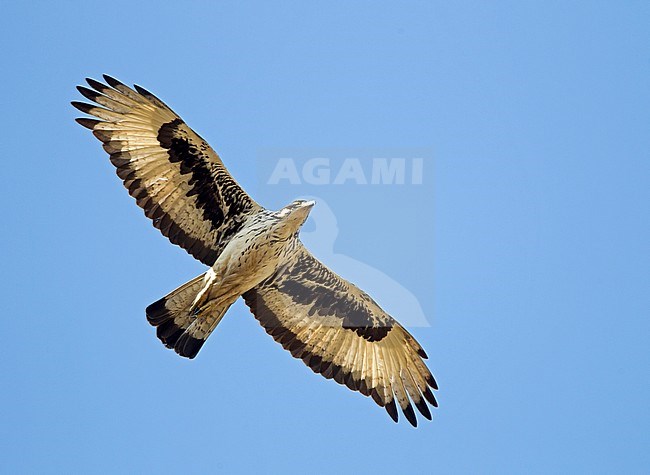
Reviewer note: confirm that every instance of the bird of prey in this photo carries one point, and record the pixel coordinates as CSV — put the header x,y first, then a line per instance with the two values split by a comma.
x,y
183,186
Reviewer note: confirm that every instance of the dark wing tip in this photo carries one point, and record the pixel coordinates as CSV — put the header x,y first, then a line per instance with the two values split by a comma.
x,y
111,81
141,90
83,107
377,397
88,93
391,409
428,395
432,382
410,415
87,123
151,97
423,408
422,354
96,85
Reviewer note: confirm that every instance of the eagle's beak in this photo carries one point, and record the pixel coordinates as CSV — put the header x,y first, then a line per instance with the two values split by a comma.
x,y
300,213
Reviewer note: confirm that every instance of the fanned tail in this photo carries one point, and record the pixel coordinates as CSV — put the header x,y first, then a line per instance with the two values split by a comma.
x,y
180,327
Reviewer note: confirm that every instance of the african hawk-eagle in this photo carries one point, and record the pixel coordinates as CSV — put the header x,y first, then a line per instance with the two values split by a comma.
x,y
183,186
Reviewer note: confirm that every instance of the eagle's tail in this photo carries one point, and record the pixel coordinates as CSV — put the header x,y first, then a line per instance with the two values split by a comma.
x,y
180,327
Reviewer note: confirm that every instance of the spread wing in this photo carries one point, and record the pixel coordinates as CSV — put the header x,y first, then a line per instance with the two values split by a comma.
x,y
341,333
174,175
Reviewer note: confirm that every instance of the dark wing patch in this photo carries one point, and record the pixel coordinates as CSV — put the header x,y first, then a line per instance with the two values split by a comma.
x,y
174,175
341,333
314,285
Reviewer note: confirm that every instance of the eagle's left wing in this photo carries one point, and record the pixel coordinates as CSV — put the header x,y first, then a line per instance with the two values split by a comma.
x,y
341,333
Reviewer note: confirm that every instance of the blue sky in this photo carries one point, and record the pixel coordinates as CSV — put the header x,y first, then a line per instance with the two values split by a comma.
x,y
526,244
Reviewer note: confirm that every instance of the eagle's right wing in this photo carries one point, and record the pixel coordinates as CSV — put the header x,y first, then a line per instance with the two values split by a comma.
x,y
174,175
341,333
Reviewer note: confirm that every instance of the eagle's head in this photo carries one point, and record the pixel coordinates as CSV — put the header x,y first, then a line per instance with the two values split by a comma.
x,y
292,216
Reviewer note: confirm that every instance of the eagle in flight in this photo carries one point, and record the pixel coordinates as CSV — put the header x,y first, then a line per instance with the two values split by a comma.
x,y
183,186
